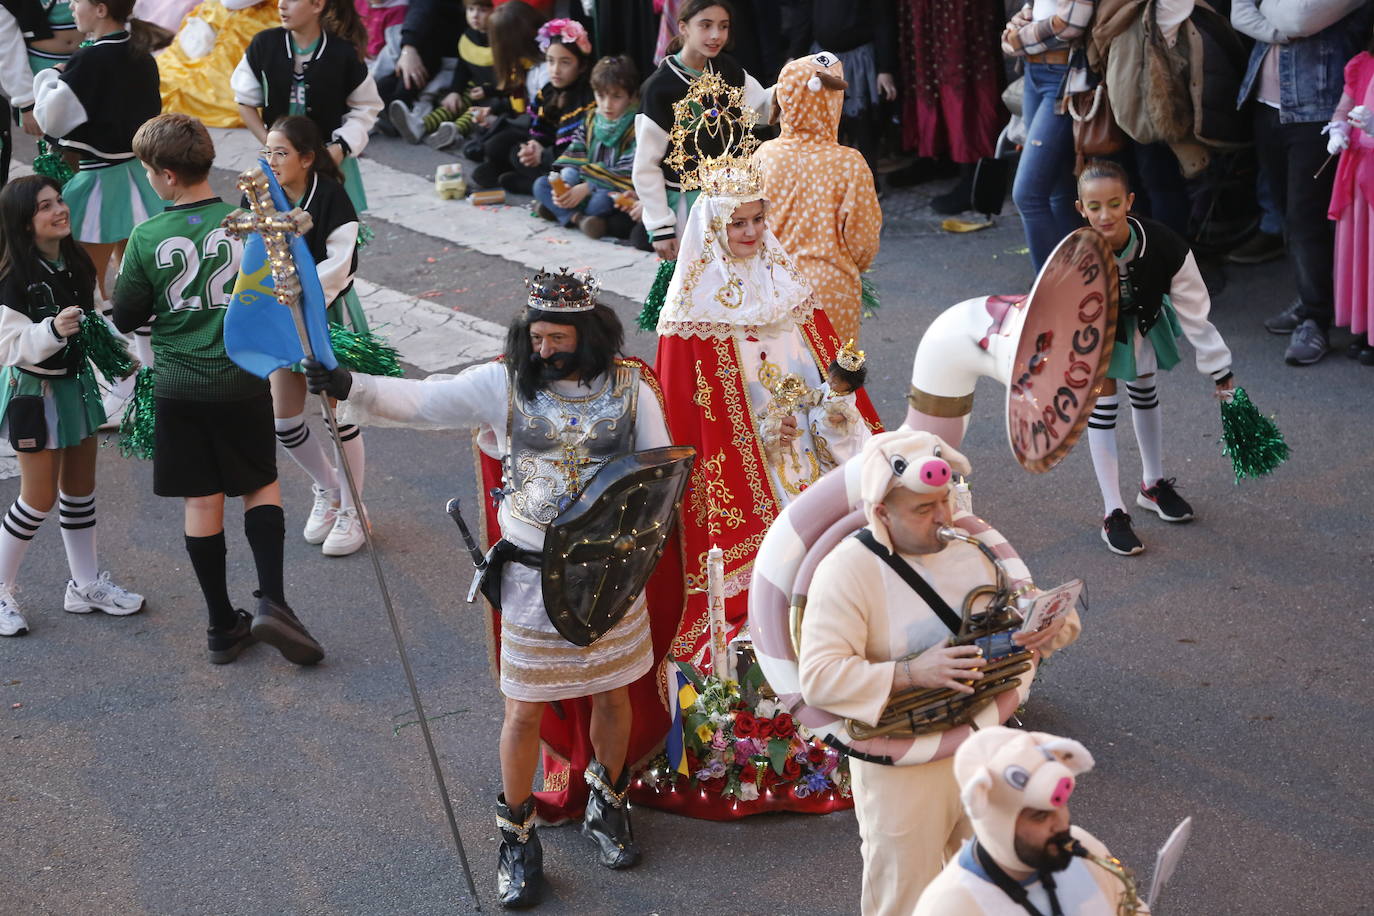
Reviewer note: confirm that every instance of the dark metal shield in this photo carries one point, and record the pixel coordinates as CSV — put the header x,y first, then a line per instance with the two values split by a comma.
x,y
599,552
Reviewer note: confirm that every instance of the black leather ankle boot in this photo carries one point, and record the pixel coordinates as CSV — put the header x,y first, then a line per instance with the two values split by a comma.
x,y
520,861
607,821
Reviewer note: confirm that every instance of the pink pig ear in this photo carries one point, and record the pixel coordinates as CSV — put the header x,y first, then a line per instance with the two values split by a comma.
x,y
1070,753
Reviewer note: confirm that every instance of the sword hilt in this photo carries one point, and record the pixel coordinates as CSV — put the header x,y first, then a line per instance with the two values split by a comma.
x,y
454,508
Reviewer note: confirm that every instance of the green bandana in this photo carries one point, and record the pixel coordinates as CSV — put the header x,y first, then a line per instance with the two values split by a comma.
x,y
608,133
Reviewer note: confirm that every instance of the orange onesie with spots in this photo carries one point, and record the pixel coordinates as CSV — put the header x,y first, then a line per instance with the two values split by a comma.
x,y
821,202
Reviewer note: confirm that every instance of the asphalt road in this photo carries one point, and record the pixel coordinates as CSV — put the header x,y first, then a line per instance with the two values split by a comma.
x,y
1218,675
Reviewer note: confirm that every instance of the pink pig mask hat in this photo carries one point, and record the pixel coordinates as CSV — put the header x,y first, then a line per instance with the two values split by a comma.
x,y
918,460
1001,771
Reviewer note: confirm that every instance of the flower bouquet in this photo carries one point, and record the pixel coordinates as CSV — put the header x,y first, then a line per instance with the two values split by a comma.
x,y
744,754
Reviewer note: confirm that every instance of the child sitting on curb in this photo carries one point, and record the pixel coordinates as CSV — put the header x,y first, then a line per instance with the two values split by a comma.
x,y
590,186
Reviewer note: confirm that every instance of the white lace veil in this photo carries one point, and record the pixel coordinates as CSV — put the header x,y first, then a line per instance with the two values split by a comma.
x,y
714,294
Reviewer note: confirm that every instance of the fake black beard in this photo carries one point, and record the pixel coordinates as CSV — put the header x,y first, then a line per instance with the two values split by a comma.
x,y
557,366
1041,858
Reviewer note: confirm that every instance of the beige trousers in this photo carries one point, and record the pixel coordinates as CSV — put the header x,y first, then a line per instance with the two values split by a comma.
x,y
911,823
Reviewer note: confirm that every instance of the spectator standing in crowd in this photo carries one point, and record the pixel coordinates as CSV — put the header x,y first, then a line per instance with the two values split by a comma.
x,y
1043,34
952,76
559,108
863,37
1352,203
312,181
48,399
1295,75
474,82
594,169
214,420
313,66
704,32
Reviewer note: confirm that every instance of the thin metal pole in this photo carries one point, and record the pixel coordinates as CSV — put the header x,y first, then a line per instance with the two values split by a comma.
x,y
401,651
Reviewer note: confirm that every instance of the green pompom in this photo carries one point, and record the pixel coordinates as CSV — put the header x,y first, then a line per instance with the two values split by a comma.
x,y
658,293
108,353
51,164
363,351
869,300
137,430
365,235
1251,440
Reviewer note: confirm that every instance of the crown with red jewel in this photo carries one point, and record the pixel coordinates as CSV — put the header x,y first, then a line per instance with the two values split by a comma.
x,y
562,292
713,115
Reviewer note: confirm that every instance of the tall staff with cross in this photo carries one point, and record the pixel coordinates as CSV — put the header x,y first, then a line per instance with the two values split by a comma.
x,y
297,290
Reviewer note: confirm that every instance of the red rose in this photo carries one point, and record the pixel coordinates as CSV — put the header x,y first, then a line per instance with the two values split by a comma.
x,y
783,726
765,729
770,779
749,773
746,726
816,756
791,770
712,786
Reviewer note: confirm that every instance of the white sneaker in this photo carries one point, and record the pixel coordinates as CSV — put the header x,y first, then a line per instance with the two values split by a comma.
x,y
102,595
443,135
410,124
12,622
321,520
346,536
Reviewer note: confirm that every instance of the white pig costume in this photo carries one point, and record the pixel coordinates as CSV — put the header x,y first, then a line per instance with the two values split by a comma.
x,y
1000,772
861,619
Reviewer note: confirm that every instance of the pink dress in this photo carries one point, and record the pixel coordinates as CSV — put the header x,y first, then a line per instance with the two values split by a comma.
x,y
1352,207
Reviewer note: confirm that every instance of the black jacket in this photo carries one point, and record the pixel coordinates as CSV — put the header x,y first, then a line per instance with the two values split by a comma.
x,y
843,25
118,88
433,27
44,293
1146,280
331,75
31,17
667,85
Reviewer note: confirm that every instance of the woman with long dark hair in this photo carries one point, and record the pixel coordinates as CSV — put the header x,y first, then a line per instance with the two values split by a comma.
x,y
49,403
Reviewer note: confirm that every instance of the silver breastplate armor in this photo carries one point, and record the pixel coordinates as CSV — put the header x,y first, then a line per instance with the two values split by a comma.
x,y
557,443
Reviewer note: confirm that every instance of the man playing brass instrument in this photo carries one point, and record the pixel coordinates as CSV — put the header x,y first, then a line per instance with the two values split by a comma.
x,y
867,635
1025,857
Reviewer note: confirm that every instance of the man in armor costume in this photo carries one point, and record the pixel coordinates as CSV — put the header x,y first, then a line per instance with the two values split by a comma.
x,y
1025,856
560,405
867,636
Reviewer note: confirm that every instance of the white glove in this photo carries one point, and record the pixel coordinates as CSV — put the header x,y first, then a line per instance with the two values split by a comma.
x,y
1360,117
1339,138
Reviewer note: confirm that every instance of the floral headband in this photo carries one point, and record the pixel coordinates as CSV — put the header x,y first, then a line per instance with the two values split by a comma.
x,y
565,31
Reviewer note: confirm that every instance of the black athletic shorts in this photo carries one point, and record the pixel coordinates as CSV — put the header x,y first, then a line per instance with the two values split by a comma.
x,y
208,447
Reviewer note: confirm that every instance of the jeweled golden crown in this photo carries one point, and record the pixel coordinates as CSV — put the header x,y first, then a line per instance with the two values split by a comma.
x,y
713,117
850,359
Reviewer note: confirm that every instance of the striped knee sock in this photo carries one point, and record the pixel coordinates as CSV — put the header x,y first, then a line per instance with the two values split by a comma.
x,y
20,525
438,116
306,451
351,437
1102,445
77,516
1149,430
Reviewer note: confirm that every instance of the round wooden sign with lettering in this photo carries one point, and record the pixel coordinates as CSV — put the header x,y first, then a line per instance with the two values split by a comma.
x,y
1064,350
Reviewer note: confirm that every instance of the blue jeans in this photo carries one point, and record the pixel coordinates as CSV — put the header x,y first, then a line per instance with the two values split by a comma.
x,y
1044,190
598,204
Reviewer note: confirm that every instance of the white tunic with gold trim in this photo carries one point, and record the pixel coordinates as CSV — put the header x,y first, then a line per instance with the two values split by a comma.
x,y
537,664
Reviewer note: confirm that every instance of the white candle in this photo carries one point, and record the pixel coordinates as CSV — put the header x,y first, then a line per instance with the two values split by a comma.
x,y
715,609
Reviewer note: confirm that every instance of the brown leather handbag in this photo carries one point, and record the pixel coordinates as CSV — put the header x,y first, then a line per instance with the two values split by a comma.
x,y
1095,131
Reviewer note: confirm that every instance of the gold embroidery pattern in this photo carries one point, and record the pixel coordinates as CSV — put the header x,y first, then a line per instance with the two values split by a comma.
x,y
731,295
703,396
823,451
711,496
556,781
746,441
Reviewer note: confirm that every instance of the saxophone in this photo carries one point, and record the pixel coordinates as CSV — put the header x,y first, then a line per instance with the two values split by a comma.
x,y
928,710
1130,903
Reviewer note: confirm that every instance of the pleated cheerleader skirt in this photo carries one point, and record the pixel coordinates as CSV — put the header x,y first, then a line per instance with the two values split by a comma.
x,y
108,199
71,404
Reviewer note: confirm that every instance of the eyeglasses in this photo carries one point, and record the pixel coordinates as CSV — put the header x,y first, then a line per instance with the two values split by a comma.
x,y
274,155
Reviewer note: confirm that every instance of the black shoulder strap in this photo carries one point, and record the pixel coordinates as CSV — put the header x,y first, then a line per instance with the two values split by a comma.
x,y
1015,891
911,577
